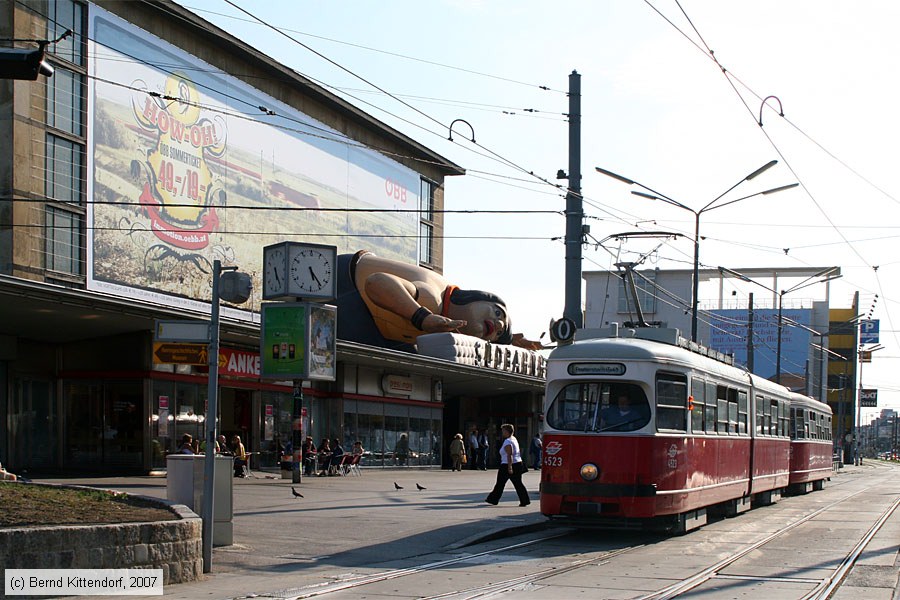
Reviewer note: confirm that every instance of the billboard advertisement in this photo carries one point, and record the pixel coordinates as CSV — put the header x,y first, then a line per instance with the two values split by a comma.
x,y
188,164
298,341
729,335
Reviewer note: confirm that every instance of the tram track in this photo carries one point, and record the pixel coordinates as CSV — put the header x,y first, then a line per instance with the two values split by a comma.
x,y
330,588
824,588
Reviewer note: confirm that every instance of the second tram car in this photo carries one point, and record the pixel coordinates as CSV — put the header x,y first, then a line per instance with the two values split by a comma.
x,y
643,427
811,444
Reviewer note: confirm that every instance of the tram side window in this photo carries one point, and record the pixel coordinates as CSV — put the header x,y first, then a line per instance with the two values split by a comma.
x,y
583,406
697,388
796,424
828,428
722,404
671,402
773,413
784,421
743,411
761,404
709,413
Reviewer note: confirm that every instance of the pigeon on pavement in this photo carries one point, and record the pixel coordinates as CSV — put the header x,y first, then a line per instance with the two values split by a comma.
x,y
397,487
420,487
296,493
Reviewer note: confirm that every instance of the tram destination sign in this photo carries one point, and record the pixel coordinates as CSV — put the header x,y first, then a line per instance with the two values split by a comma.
x,y
868,398
596,369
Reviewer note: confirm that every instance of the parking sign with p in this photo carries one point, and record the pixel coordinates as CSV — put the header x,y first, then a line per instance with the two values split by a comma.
x,y
868,331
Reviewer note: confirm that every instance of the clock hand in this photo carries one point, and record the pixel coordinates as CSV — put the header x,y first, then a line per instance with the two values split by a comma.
x,y
277,278
313,273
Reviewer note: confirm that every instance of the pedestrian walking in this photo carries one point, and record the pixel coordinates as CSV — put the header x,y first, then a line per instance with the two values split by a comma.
x,y
511,468
483,446
457,452
473,449
537,446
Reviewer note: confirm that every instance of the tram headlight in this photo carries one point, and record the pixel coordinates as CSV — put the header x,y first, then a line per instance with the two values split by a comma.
x,y
589,472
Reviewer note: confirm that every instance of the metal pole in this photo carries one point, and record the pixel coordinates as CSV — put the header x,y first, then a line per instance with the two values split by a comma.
x,y
574,207
750,333
778,346
297,432
695,300
841,419
212,412
857,459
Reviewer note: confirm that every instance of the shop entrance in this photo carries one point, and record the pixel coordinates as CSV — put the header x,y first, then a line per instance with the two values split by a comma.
x,y
236,416
33,421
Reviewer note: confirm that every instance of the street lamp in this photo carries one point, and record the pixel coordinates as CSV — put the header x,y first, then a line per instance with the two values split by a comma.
x,y
709,206
829,274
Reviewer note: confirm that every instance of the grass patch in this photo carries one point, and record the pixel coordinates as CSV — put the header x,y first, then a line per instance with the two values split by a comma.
x,y
23,505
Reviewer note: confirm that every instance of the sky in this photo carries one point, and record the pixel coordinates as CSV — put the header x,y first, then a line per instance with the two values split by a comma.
x,y
656,108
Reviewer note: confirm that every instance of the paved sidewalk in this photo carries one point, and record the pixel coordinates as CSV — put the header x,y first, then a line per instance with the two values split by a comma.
x,y
283,542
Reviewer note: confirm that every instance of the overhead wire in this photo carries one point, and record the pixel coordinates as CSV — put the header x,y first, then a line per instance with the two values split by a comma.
x,y
710,54
389,53
498,156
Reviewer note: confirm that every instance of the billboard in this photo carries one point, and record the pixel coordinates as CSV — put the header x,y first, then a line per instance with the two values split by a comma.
x,y
298,341
729,335
188,164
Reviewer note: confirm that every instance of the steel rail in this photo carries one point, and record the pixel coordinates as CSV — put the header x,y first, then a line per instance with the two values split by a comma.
x,y
322,589
827,587
676,589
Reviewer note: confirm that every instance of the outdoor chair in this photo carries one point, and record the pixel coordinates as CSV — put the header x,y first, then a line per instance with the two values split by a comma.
x,y
352,467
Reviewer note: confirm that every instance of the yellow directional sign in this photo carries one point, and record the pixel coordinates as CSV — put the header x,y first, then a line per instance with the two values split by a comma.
x,y
181,354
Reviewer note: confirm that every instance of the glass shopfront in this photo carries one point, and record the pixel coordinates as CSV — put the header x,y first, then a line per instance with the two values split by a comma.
x,y
103,425
393,434
176,408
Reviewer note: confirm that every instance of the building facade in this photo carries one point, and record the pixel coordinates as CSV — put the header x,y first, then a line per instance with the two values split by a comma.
x,y
162,144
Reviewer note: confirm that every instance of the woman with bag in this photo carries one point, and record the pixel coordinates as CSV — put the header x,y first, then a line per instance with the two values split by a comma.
x,y
457,453
511,468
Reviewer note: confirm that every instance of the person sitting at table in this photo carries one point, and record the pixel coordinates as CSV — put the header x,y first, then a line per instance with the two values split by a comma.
x,y
309,456
187,444
334,461
357,449
240,456
222,446
324,456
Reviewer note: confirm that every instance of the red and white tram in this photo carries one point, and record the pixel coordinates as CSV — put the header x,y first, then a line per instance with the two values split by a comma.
x,y
645,428
811,444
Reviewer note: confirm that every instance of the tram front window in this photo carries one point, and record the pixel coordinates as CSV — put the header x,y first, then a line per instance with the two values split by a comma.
x,y
599,406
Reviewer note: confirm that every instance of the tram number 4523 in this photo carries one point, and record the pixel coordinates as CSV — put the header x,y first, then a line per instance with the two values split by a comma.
x,y
553,461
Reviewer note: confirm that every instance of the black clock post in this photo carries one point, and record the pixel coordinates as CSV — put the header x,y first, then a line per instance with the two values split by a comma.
x,y
297,432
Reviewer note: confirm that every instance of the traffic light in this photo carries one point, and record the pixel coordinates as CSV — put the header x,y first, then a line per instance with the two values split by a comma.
x,y
23,63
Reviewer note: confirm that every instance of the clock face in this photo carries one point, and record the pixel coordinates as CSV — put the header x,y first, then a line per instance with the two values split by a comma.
x,y
312,272
275,283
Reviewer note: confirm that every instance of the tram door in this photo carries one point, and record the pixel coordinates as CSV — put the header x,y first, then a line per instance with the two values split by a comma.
x,y
32,425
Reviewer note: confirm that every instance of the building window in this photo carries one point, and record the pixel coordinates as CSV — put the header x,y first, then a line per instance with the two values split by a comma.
x,y
64,168
426,222
63,15
65,92
63,241
645,283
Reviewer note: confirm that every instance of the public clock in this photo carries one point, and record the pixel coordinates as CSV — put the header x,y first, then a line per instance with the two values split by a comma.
x,y
275,271
312,271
